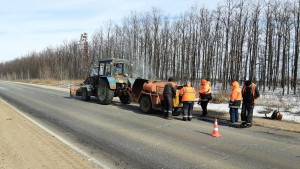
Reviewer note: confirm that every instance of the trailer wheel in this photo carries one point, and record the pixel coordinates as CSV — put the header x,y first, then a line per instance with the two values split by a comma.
x,y
145,104
125,98
104,94
85,96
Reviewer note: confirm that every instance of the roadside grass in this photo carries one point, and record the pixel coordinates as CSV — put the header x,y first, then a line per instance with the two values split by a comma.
x,y
221,97
279,102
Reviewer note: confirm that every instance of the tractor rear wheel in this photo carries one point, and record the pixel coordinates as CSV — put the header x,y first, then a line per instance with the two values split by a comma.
x,y
85,96
104,94
146,104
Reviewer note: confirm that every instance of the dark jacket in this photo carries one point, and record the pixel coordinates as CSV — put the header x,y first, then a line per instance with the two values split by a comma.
x,y
235,104
250,94
169,90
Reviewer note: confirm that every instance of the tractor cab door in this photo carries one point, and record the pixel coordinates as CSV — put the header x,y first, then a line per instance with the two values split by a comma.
x,y
90,80
104,69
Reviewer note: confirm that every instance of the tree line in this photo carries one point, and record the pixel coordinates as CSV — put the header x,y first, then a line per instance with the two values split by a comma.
x,y
238,40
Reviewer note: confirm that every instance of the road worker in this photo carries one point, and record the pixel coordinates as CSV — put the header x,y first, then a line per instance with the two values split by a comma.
x,y
188,94
250,94
204,96
235,102
168,95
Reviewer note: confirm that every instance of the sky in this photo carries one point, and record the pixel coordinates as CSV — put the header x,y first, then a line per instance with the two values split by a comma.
x,y
33,25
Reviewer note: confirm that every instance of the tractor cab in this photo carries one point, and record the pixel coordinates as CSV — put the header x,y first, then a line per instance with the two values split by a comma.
x,y
115,68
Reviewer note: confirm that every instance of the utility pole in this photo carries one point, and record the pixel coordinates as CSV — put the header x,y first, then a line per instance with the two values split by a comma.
x,y
84,44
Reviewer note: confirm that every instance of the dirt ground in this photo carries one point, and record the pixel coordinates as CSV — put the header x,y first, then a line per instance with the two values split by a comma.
x,y
24,145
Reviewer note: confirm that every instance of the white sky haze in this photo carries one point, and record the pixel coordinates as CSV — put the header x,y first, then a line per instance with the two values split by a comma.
x,y
32,25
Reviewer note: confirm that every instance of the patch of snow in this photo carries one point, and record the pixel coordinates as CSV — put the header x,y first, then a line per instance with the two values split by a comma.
x,y
269,101
288,116
295,110
64,84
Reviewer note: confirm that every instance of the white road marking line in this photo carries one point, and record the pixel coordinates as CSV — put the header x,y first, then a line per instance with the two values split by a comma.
x,y
40,85
2,88
287,147
88,157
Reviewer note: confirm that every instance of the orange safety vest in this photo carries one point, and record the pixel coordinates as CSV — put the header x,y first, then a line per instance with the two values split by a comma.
x,y
188,94
253,86
236,93
204,89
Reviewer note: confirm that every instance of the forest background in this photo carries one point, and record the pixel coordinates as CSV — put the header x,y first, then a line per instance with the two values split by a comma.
x,y
239,40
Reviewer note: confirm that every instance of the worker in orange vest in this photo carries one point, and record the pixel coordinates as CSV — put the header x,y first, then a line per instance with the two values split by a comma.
x,y
235,102
188,95
204,96
250,94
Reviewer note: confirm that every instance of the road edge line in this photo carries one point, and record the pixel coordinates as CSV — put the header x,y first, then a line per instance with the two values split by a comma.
x,y
57,88
78,150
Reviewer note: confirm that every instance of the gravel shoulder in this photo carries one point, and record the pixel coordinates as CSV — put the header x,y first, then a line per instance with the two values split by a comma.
x,y
24,145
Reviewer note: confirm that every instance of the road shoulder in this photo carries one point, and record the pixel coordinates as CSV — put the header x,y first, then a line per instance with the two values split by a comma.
x,y
24,145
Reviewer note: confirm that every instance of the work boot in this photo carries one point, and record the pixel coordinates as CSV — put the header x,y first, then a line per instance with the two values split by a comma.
x,y
170,117
248,125
184,119
165,114
243,124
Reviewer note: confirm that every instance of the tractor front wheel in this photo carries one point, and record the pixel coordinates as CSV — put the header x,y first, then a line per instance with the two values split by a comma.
x,y
85,96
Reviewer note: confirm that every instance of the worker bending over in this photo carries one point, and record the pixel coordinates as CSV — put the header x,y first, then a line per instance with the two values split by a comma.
x,y
168,94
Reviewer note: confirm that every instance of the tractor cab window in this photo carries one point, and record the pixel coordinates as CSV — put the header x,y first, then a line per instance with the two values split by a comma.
x,y
126,70
107,69
101,68
118,69
121,69
94,71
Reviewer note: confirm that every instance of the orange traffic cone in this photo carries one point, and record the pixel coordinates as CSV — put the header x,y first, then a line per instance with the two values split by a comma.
x,y
216,132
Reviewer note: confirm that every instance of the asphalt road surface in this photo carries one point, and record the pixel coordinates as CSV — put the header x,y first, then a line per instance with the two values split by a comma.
x,y
122,137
